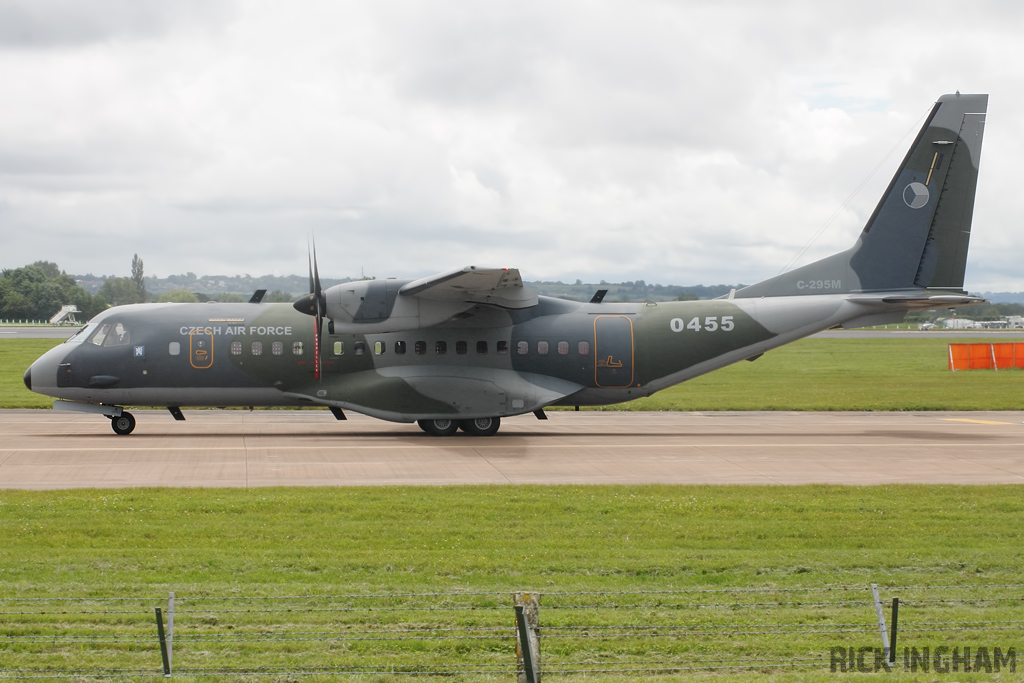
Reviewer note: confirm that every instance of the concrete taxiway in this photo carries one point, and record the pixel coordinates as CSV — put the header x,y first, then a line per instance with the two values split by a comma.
x,y
42,449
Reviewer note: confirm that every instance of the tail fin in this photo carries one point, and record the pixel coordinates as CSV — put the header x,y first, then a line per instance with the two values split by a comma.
x,y
917,236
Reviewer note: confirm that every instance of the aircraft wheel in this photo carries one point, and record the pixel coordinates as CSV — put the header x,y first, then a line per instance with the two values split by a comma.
x,y
124,424
443,427
481,426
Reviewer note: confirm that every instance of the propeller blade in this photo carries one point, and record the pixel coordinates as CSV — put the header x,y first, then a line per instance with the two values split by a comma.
x,y
321,305
314,304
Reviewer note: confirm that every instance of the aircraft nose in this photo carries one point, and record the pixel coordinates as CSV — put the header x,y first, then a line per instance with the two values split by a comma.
x,y
28,378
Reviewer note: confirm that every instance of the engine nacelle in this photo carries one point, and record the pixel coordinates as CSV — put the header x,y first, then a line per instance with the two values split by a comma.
x,y
366,306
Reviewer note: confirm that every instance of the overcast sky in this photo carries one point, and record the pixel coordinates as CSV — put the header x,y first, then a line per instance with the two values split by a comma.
x,y
675,142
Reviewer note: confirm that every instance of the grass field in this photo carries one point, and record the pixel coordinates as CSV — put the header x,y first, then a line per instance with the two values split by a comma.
x,y
281,542
812,374
399,540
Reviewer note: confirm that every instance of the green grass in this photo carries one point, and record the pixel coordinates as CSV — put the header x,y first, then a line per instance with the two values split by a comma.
x,y
15,357
812,374
846,374
287,542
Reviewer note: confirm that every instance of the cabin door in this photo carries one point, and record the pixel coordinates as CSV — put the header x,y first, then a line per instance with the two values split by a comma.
x,y
613,351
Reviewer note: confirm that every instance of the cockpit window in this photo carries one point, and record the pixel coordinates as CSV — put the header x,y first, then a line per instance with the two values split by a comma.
x,y
100,334
111,334
82,334
118,336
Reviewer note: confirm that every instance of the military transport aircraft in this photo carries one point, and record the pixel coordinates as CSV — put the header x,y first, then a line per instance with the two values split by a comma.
x,y
468,347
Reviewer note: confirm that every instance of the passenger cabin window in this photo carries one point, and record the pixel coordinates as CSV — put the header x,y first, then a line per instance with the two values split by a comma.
x,y
461,348
503,348
277,348
399,347
440,348
296,348
522,348
563,348
257,348
339,348
236,348
174,348
378,348
360,348
481,347
584,348
420,348
542,348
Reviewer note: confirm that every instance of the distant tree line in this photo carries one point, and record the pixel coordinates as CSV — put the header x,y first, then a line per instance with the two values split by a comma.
x,y
38,291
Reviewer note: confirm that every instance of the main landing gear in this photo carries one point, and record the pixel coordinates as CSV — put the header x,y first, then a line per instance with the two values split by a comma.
x,y
481,426
123,424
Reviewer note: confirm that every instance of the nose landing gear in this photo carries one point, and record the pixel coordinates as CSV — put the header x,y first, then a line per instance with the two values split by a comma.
x,y
123,424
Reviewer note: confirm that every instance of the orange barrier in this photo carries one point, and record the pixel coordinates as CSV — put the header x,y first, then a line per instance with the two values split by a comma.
x,y
1001,356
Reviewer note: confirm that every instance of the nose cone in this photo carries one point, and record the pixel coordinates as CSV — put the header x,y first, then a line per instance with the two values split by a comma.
x,y
41,376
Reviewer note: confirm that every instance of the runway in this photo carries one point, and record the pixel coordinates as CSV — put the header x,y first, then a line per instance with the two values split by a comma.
x,y
41,449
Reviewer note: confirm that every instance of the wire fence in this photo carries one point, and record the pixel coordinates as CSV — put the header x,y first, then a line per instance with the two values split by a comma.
x,y
660,632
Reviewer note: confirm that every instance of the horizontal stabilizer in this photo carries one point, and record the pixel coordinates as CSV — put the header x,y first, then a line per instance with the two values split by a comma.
x,y
939,301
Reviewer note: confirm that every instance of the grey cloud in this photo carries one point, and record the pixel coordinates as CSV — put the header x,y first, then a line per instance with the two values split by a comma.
x,y
49,23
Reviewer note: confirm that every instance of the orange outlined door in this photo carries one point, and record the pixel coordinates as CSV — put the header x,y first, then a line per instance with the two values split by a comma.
x,y
200,344
613,351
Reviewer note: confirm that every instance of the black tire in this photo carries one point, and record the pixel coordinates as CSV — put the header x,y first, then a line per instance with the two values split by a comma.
x,y
444,427
481,426
124,424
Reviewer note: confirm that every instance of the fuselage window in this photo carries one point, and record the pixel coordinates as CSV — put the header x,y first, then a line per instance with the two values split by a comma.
x,y
339,348
440,348
378,348
563,348
257,348
277,348
584,348
461,347
420,348
399,347
542,348
360,348
296,348
236,348
174,348
523,348
502,348
481,347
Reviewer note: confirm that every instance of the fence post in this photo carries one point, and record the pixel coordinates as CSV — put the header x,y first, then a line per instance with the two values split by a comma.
x,y
170,634
527,641
892,634
881,620
163,643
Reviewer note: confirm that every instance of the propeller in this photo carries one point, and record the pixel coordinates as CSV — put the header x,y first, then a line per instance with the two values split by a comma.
x,y
315,304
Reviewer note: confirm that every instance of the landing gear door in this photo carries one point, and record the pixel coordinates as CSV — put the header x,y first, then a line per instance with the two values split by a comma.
x,y
200,345
613,351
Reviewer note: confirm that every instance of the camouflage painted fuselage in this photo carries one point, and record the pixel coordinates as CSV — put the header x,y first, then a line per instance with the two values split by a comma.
x,y
475,343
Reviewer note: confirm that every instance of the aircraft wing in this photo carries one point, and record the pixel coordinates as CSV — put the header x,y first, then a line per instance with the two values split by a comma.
x,y
501,287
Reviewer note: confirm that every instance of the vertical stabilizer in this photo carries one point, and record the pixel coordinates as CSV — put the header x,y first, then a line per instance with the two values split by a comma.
x,y
918,235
